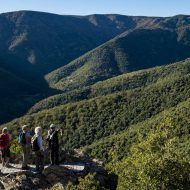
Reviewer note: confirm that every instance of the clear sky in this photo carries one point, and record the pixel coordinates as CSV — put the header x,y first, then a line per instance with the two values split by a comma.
x,y
85,7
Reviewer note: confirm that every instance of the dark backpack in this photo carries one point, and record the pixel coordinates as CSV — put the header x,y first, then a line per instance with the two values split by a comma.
x,y
22,138
54,140
35,146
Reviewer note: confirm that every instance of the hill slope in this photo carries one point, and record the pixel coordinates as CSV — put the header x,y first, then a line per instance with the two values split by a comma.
x,y
123,82
132,51
89,120
29,53
121,142
49,41
35,43
17,95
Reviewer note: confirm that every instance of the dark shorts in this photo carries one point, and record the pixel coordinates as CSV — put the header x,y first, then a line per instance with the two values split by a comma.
x,y
5,153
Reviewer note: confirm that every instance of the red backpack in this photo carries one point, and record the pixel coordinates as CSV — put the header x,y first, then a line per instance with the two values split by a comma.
x,y
4,141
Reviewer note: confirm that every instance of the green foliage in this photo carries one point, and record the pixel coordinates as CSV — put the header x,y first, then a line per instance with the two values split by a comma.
x,y
87,121
88,182
161,161
129,81
121,143
16,147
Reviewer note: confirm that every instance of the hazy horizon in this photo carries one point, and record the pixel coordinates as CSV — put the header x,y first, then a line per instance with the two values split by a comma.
x,y
85,7
88,14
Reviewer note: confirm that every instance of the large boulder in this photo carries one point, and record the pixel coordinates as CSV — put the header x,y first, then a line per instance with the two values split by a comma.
x,y
59,174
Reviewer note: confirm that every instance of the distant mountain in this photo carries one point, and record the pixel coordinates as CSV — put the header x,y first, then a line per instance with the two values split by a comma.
x,y
48,41
34,44
131,51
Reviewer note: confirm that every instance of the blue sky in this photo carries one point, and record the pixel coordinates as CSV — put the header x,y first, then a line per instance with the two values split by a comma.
x,y
85,7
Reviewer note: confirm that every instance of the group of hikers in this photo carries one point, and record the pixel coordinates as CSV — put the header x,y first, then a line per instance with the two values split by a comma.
x,y
31,143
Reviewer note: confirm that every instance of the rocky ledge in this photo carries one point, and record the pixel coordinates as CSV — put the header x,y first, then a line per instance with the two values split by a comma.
x,y
52,176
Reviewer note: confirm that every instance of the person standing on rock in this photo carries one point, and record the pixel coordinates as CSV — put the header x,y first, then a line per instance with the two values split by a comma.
x,y
25,142
37,147
5,147
53,141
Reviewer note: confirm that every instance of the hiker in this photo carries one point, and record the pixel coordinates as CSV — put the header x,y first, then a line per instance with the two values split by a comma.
x,y
25,142
37,147
5,147
53,141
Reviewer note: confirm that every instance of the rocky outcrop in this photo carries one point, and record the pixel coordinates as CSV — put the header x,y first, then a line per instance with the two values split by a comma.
x,y
27,180
79,164
24,181
59,174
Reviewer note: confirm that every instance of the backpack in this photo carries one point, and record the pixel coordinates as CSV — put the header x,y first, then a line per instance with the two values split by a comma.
x,y
4,141
34,141
22,138
53,140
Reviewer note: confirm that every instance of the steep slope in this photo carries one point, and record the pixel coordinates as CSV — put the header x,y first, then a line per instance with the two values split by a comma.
x,y
35,43
89,120
49,41
132,51
123,82
16,96
24,44
121,142
151,159
155,146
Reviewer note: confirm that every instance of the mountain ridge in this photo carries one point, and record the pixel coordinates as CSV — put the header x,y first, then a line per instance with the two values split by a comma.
x,y
34,44
131,51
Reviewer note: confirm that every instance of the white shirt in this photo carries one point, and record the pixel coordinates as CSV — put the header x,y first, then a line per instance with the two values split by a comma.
x,y
40,142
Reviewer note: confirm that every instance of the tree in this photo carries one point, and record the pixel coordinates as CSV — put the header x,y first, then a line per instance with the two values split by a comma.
x,y
161,161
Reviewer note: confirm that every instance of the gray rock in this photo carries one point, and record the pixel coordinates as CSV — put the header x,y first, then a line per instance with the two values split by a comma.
x,y
56,174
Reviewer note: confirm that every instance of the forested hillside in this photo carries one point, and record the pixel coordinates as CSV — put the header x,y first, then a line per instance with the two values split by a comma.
x,y
89,120
123,82
49,41
132,51
34,44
